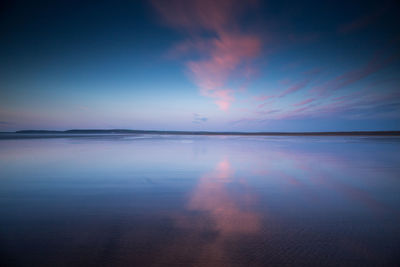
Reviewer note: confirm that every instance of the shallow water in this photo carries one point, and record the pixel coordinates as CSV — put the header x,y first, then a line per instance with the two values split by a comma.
x,y
200,201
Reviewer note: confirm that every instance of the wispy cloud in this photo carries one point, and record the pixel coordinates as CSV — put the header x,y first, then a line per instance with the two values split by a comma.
x,y
377,63
197,118
295,87
226,51
306,101
364,103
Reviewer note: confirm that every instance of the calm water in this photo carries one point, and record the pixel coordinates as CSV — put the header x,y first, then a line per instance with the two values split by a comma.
x,y
200,201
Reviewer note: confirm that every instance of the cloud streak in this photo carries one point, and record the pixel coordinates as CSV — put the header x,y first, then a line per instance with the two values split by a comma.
x,y
294,88
364,21
366,102
197,118
377,63
306,101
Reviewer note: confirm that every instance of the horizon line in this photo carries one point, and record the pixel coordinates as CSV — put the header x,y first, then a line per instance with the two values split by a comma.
x,y
126,131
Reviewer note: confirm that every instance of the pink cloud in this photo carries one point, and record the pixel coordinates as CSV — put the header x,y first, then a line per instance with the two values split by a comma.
x,y
262,105
228,52
295,88
309,100
309,76
263,97
270,111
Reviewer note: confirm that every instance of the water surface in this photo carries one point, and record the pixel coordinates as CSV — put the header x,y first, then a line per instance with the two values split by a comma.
x,y
150,200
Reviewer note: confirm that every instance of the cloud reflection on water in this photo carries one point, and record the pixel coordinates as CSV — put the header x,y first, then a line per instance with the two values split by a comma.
x,y
225,214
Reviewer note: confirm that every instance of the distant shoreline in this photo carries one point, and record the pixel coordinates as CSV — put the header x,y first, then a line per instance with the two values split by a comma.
x,y
94,132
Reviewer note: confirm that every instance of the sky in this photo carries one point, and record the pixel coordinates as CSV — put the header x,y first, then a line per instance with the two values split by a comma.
x,y
207,65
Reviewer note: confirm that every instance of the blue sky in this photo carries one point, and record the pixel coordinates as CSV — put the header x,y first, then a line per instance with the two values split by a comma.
x,y
200,65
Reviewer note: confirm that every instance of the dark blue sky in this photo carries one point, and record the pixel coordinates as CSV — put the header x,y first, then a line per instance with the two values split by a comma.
x,y
200,65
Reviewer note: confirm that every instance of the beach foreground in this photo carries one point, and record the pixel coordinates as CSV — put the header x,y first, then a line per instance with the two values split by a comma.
x,y
167,200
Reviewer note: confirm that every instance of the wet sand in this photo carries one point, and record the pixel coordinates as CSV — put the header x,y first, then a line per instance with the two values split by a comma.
x,y
166,200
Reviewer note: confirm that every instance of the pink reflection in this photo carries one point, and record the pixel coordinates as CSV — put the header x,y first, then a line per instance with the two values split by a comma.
x,y
225,214
212,196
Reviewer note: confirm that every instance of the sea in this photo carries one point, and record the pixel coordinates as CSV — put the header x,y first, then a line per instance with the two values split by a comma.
x,y
183,200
